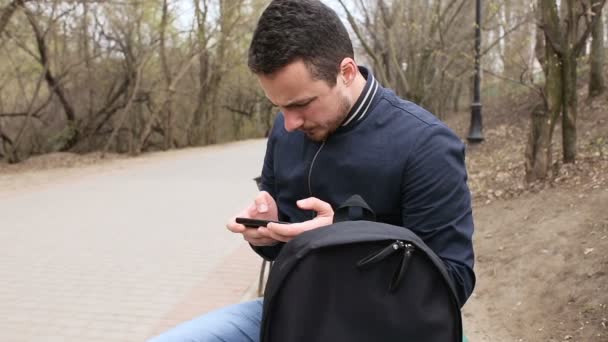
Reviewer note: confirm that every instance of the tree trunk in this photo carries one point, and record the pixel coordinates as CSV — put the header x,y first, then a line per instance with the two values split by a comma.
x,y
168,103
539,46
86,54
538,151
457,95
71,130
126,110
4,140
196,129
572,49
596,77
229,15
510,49
563,37
569,107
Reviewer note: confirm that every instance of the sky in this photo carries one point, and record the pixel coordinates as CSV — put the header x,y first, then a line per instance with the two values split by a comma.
x,y
185,11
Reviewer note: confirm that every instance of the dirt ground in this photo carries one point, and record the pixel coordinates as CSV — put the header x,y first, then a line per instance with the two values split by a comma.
x,y
541,248
541,269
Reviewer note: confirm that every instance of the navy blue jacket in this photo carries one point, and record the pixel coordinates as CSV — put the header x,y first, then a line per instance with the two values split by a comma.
x,y
406,164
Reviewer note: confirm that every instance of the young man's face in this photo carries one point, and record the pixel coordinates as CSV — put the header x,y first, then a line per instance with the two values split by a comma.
x,y
308,105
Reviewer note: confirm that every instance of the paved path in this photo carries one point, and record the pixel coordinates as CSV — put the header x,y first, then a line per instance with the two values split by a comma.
x,y
122,251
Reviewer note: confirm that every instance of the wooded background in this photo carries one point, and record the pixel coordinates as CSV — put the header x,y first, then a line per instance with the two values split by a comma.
x,y
131,76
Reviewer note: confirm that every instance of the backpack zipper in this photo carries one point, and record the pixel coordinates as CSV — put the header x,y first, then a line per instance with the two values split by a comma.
x,y
394,247
408,250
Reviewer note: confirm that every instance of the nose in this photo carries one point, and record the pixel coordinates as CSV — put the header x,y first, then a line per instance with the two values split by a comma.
x,y
293,120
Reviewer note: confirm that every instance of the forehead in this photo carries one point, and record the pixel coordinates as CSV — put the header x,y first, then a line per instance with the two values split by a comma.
x,y
292,83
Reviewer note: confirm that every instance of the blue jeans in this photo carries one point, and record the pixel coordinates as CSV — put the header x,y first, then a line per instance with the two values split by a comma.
x,y
235,323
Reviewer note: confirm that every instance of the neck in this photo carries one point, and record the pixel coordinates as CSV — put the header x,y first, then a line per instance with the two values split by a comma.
x,y
357,88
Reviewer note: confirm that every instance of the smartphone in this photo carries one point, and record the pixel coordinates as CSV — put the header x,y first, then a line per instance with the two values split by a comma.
x,y
255,223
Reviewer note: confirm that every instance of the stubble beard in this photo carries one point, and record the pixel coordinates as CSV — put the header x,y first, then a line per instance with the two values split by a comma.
x,y
333,125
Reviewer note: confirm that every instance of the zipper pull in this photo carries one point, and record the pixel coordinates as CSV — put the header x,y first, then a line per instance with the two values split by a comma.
x,y
380,254
405,262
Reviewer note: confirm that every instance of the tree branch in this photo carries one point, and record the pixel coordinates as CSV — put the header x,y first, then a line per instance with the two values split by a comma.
x,y
370,52
596,7
52,82
518,82
238,111
8,11
20,114
499,39
125,110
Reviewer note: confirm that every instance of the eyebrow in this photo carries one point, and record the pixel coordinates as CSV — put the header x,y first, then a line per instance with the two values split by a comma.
x,y
297,103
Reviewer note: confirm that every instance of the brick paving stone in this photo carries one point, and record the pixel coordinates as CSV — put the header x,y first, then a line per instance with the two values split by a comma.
x,y
122,252
221,289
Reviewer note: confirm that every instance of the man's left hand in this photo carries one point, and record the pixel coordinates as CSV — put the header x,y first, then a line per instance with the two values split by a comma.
x,y
286,232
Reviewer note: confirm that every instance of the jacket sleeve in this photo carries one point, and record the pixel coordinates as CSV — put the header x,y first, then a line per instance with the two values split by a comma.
x,y
436,203
268,184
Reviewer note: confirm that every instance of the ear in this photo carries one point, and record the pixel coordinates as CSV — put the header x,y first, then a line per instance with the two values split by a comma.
x,y
348,70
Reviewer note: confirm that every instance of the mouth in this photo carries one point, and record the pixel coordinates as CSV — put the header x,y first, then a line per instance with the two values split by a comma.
x,y
308,131
314,134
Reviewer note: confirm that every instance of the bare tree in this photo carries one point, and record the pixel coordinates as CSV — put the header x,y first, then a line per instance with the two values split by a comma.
x,y
212,64
422,48
563,44
196,133
167,106
71,130
125,111
597,55
126,76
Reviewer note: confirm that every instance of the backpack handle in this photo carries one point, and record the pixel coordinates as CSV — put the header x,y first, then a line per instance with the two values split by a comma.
x,y
354,209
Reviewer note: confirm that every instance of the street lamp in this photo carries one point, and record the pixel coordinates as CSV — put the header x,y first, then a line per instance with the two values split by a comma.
x,y
475,130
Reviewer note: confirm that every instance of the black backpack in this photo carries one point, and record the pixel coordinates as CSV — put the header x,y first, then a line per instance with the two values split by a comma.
x,y
359,281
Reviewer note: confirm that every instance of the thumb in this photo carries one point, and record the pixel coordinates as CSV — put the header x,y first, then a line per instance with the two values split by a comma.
x,y
252,210
262,201
312,203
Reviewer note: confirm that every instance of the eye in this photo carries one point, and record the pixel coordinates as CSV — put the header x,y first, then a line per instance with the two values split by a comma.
x,y
300,105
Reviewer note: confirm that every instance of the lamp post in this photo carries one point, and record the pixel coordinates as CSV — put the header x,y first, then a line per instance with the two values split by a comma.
x,y
475,130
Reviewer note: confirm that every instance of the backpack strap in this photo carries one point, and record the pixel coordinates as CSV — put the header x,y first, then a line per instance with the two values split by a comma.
x,y
354,209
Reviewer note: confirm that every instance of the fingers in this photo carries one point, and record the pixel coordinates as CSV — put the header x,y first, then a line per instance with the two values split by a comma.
x,y
259,237
262,202
312,203
256,237
235,227
284,232
251,211
264,207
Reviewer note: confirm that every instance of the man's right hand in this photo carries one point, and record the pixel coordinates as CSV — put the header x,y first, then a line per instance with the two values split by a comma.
x,y
263,207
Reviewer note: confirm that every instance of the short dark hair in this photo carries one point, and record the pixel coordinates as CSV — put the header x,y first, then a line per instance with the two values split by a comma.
x,y
289,30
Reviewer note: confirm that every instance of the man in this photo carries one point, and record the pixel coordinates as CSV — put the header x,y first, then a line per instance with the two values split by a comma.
x,y
340,133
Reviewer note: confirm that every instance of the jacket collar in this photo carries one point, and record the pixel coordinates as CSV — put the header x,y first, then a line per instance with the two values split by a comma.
x,y
363,104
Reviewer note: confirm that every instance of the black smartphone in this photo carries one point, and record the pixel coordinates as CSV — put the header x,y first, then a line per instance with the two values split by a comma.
x,y
255,223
